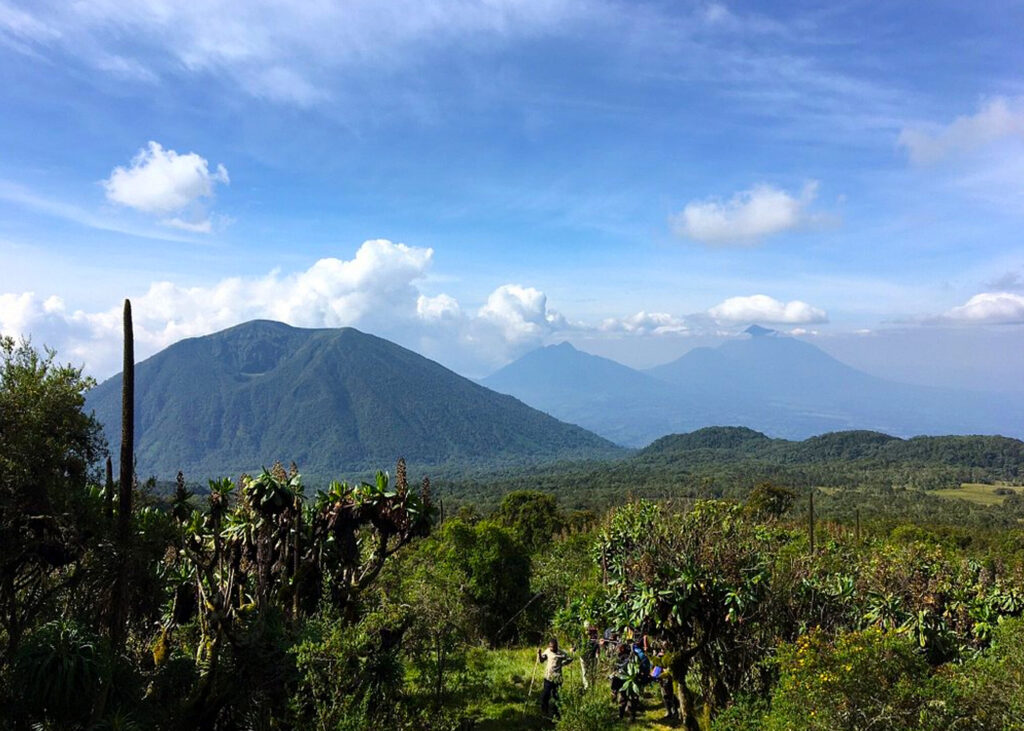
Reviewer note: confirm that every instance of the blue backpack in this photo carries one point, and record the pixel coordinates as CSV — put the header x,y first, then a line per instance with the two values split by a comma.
x,y
644,661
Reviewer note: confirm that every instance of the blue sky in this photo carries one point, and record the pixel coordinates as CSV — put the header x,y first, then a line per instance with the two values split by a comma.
x,y
635,177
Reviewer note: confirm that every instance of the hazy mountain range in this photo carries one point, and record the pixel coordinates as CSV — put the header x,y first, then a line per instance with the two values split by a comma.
x,y
339,401
775,384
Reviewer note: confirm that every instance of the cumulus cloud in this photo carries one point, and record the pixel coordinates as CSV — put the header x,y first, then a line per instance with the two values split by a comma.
x,y
521,313
762,308
162,182
646,323
995,308
377,290
747,217
996,120
439,308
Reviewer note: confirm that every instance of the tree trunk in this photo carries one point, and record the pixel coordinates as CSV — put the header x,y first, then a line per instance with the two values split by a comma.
x,y
679,669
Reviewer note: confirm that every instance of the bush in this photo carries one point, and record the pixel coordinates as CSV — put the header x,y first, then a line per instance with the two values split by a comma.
x,y
988,691
869,679
57,674
350,677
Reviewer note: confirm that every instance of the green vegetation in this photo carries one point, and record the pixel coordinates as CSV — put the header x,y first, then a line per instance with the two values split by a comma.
x,y
260,605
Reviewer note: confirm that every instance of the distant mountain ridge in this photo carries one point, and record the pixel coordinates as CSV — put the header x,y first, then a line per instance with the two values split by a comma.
x,y
723,445
586,389
333,400
783,386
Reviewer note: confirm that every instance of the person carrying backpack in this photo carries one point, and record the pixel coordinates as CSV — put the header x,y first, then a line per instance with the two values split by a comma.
x,y
591,652
643,663
663,677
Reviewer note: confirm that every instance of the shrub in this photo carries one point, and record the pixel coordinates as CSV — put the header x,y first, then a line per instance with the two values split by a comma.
x,y
988,691
57,673
869,679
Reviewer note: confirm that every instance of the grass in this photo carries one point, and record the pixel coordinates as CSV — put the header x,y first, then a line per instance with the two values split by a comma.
x,y
501,696
977,492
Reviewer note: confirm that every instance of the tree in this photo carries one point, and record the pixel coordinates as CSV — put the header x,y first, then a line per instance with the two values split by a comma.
x,y
532,515
497,567
768,500
47,447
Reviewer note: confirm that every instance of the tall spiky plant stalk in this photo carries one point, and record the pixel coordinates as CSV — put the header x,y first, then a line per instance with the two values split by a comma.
x,y
401,479
127,474
119,591
108,490
126,482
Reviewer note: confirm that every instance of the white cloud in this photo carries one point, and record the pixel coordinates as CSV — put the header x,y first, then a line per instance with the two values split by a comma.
x,y
762,308
996,120
646,323
14,193
288,53
440,307
990,308
16,23
376,290
521,313
747,217
379,290
162,182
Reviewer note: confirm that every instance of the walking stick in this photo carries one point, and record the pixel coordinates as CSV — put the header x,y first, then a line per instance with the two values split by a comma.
x,y
533,675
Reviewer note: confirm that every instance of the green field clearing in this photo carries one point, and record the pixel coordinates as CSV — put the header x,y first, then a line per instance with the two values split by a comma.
x,y
979,493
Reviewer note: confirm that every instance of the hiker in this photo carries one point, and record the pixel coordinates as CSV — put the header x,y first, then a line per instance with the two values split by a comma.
x,y
643,663
591,651
624,695
554,660
663,676
620,671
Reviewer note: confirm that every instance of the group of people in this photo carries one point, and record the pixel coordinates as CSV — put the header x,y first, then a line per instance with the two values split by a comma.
x,y
633,670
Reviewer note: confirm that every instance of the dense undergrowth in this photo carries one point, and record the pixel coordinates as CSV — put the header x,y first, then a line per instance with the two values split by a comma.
x,y
261,605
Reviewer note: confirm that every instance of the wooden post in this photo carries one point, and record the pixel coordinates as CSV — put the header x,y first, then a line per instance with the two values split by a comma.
x,y
857,528
810,517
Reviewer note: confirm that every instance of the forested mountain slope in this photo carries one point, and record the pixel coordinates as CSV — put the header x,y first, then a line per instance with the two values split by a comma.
x,y
333,400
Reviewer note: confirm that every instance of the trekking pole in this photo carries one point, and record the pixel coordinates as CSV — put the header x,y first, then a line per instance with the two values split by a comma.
x,y
533,675
514,616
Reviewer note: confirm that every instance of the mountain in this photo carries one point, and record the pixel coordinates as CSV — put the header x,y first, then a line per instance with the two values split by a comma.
x,y
790,388
773,383
608,398
332,400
